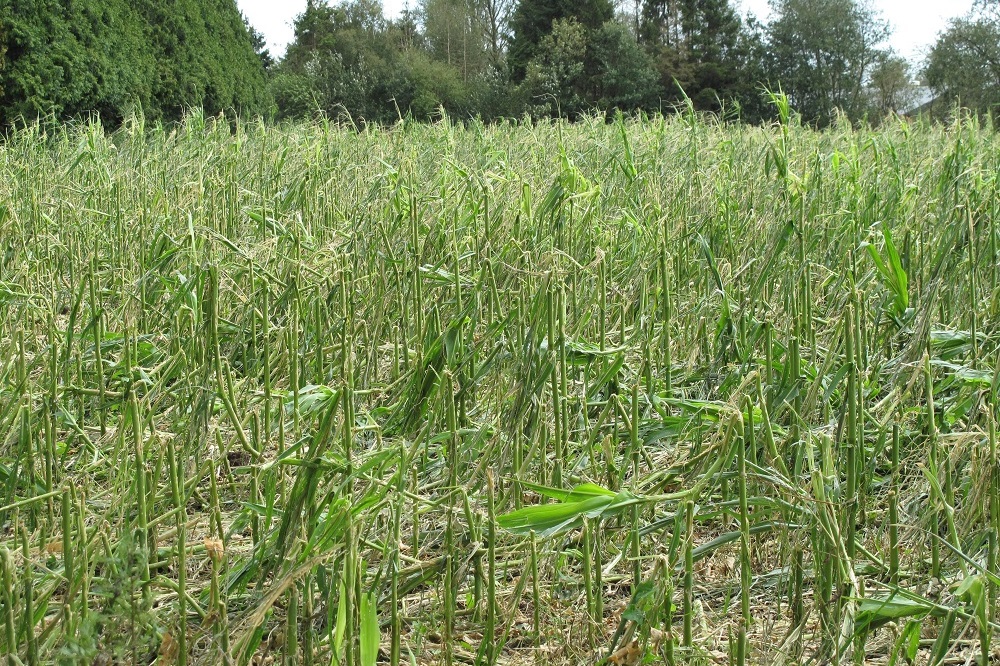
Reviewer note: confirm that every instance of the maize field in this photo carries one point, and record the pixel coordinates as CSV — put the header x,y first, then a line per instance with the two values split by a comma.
x,y
624,391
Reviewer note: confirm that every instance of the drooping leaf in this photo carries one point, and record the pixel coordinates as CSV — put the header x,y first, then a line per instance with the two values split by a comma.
x,y
874,612
586,501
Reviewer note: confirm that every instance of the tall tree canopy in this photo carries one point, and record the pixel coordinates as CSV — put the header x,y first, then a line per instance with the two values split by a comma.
x,y
343,57
347,57
485,58
454,36
964,64
70,57
821,53
205,56
534,19
578,70
890,85
697,47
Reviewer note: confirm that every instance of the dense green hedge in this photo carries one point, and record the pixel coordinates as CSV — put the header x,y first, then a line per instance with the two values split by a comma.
x,y
71,57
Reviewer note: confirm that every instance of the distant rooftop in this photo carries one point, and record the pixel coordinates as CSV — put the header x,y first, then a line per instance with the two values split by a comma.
x,y
922,97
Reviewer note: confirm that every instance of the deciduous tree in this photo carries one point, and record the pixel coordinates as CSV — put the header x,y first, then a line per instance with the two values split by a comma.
x,y
891,86
821,52
964,64
533,20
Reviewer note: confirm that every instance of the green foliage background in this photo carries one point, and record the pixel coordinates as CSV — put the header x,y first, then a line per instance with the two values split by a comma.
x,y
69,58
485,59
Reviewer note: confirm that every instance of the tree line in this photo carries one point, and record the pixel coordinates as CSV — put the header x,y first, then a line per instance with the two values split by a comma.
x,y
70,58
489,59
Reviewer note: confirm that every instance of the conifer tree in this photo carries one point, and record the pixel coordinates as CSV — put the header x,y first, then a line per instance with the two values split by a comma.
x,y
696,47
68,58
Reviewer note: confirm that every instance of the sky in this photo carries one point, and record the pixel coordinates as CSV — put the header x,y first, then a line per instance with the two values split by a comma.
x,y
915,23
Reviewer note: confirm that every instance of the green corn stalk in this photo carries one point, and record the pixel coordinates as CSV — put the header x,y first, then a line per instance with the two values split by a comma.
x,y
69,572
491,589
536,596
588,578
688,606
934,463
28,600
742,646
176,485
7,574
893,500
852,397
